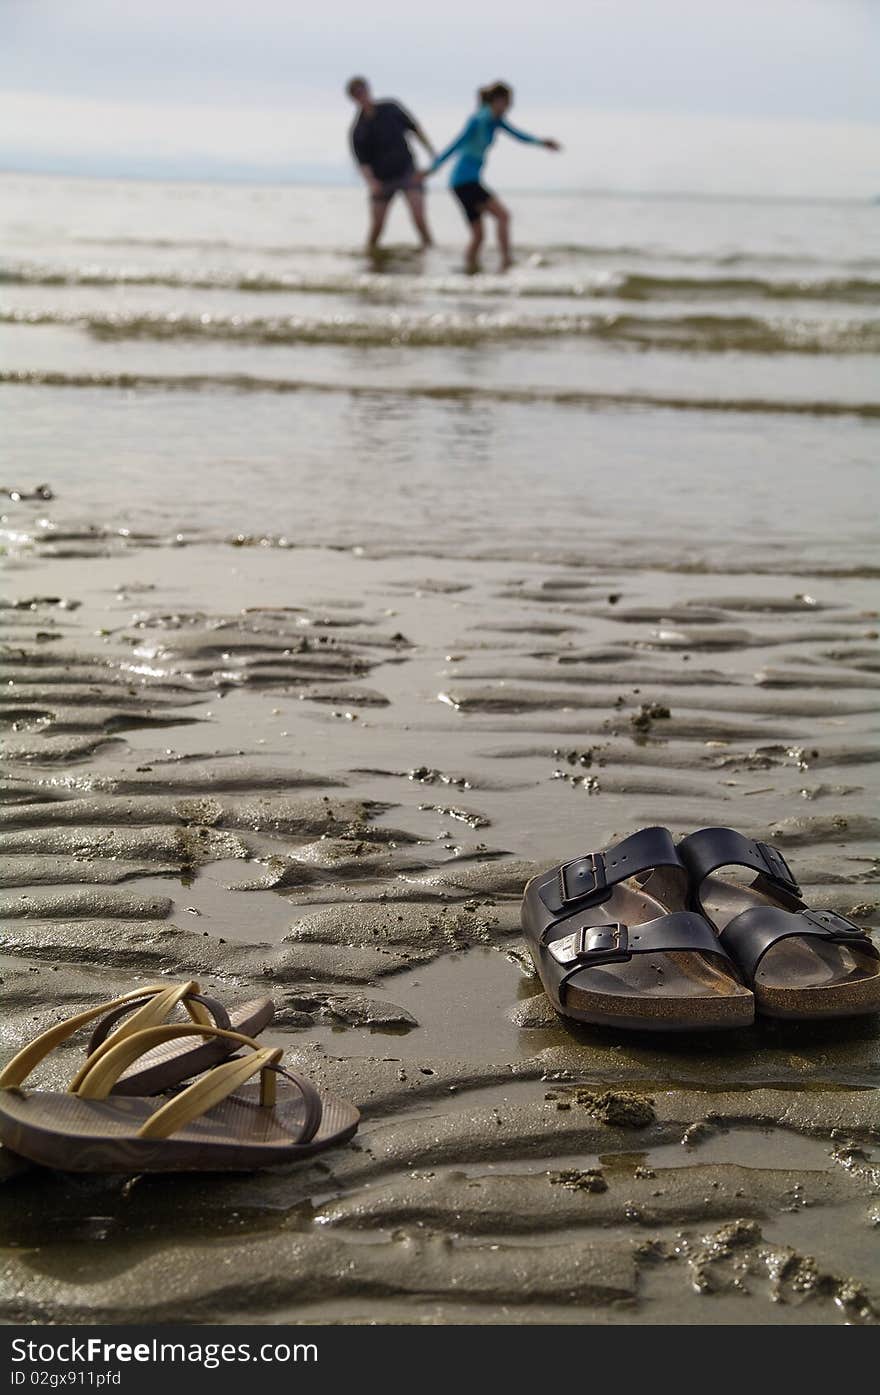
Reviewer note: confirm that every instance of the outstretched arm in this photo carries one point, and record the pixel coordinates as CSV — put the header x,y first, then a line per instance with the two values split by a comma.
x,y
526,138
423,140
451,149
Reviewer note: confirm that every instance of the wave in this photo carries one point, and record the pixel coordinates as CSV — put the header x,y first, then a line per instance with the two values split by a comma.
x,y
245,383
594,251
859,290
684,333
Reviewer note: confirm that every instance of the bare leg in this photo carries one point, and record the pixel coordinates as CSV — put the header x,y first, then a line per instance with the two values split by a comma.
x,y
472,256
416,200
501,215
378,214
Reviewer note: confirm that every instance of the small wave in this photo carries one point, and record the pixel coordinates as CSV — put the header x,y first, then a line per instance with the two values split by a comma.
x,y
593,251
858,290
524,282
427,331
682,333
245,383
658,253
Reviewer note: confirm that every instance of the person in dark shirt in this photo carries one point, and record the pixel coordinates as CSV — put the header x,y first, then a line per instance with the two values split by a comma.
x,y
380,147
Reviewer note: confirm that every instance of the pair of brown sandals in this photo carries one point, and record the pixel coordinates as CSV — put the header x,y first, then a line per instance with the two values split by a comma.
x,y
122,1111
647,935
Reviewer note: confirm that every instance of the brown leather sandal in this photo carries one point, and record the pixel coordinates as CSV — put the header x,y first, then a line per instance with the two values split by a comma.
x,y
615,945
799,963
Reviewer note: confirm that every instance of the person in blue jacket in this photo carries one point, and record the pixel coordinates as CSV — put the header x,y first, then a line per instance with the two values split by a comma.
x,y
472,147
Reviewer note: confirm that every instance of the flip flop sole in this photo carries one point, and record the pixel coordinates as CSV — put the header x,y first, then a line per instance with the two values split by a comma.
x,y
71,1134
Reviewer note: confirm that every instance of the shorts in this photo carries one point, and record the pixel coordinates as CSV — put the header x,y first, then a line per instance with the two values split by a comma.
x,y
473,198
400,184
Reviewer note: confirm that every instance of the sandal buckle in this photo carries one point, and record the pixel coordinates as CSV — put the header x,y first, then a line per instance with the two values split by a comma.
x,y
605,942
834,925
583,876
592,945
778,867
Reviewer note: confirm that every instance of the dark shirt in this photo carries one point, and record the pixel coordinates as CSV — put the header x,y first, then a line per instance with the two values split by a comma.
x,y
380,140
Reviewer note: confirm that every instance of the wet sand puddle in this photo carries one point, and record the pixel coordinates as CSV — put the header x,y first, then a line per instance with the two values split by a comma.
x,y
327,777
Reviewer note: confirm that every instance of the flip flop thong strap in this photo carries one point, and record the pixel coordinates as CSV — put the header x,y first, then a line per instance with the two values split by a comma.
x,y
213,1087
588,880
200,1008
16,1072
223,1081
749,936
209,1089
708,849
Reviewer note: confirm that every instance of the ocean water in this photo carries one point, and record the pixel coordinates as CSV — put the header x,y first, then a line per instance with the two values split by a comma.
x,y
678,382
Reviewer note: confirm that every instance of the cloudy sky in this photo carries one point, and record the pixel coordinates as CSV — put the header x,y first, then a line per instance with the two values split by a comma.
x,y
767,96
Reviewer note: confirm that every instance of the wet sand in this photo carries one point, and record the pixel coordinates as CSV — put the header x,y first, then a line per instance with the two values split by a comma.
x,y
326,776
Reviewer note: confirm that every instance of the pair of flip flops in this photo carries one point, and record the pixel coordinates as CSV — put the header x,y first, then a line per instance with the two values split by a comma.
x,y
646,935
114,1118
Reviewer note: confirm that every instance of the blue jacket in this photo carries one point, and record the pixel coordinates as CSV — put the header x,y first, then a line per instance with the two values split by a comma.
x,y
474,143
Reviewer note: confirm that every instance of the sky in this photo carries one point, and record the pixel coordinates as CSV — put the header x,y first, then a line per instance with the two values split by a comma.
x,y
776,97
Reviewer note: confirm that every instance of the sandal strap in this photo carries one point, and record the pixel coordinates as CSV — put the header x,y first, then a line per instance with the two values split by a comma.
x,y
101,1071
590,946
589,880
16,1072
155,1010
708,849
749,936
313,1102
200,1008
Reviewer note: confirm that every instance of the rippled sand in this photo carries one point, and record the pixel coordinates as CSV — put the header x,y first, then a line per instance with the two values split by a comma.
x,y
326,777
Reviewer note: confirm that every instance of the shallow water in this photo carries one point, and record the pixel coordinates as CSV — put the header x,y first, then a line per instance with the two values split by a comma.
x,y
328,639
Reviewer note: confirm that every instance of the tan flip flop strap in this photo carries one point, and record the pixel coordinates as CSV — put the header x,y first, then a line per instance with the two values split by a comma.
x,y
210,1089
103,1069
207,1012
16,1072
156,1009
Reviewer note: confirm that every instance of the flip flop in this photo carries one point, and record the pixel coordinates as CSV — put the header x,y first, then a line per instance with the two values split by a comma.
x,y
171,1062
615,945
219,1123
799,963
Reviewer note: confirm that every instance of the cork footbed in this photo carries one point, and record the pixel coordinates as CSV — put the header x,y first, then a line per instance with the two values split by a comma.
x,y
238,1135
174,1061
683,991
799,977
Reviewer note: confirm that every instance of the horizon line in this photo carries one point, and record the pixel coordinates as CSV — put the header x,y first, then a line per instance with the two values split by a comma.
x,y
337,181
